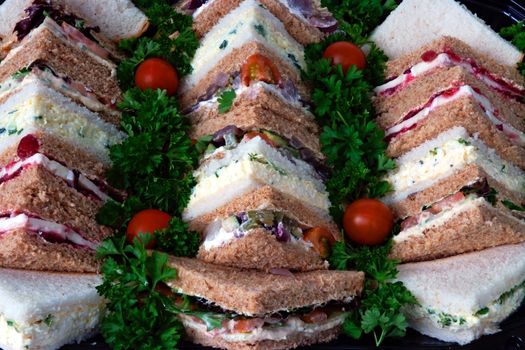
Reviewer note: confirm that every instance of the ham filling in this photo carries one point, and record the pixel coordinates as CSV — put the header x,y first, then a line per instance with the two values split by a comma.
x,y
431,60
48,230
417,115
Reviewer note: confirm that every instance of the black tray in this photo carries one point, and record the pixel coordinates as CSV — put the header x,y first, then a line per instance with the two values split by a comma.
x,y
498,14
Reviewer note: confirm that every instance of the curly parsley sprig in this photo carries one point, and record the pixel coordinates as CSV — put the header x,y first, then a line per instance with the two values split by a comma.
x,y
516,34
154,166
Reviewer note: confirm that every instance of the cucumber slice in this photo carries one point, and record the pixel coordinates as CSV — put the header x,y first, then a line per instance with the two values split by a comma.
x,y
276,139
230,224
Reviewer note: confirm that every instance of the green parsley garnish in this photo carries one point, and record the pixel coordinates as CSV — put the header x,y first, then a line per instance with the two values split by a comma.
x,y
516,35
226,100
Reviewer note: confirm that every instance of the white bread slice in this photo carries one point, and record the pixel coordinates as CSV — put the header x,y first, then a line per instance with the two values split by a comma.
x,y
418,22
250,166
463,285
117,19
45,311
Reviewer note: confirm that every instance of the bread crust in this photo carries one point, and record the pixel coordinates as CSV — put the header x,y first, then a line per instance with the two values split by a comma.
x,y
268,198
36,191
301,31
254,293
63,58
25,250
265,112
398,66
478,228
260,250
62,151
232,63
463,112
452,184
296,340
392,109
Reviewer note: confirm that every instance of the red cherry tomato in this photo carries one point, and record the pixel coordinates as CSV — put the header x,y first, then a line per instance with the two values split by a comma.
x,y
345,54
147,222
156,73
254,134
368,221
259,68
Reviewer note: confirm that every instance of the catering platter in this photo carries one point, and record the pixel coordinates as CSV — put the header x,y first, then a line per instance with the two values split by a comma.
x,y
498,14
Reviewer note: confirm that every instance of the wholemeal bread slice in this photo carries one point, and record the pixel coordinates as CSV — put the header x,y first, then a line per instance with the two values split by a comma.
x,y
463,111
413,24
472,226
259,108
465,297
48,310
38,192
259,248
67,60
297,339
21,249
231,65
54,147
257,293
296,24
452,45
267,197
392,109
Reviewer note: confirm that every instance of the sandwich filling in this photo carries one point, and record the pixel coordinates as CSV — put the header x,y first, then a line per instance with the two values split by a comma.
x,y
489,316
444,156
285,90
249,166
67,323
230,327
414,117
440,212
89,186
432,60
49,231
305,10
283,228
70,26
248,23
231,137
40,71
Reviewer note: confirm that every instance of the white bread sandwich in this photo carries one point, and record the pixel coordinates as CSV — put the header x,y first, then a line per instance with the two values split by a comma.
x,y
453,194
38,107
46,311
248,30
415,23
307,21
238,169
95,19
260,310
465,297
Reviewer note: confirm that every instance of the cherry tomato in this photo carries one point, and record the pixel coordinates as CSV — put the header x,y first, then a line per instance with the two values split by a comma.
x,y
254,134
156,73
147,222
322,240
345,54
368,221
259,68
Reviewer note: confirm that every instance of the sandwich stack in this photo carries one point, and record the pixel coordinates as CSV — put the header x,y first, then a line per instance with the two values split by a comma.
x,y
58,92
453,117
260,201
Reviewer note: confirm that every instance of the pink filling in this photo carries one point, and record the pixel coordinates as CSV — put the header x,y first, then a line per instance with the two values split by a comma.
x,y
48,230
28,148
497,83
420,113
